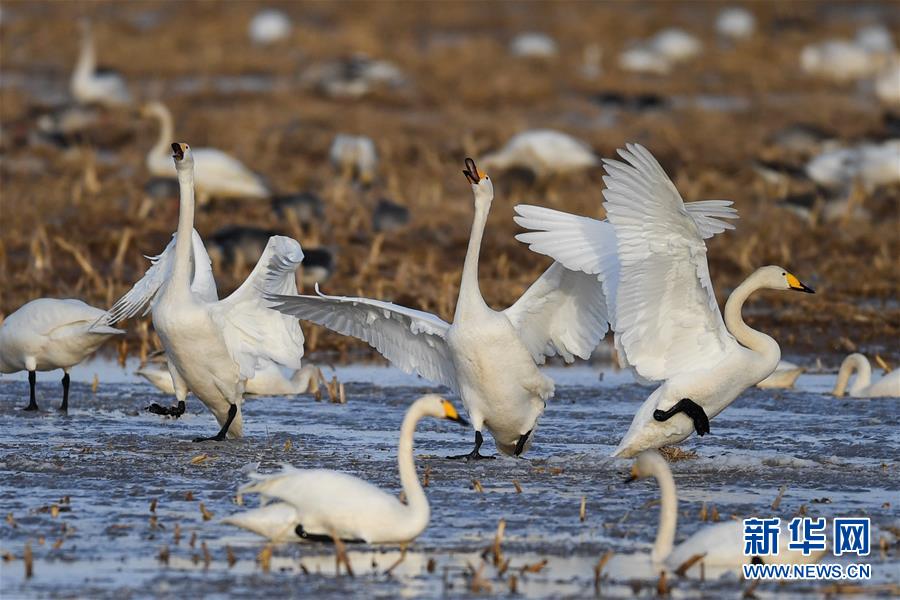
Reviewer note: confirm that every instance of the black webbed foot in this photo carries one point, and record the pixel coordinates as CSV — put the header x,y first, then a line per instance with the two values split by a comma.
x,y
474,454
691,409
167,411
223,433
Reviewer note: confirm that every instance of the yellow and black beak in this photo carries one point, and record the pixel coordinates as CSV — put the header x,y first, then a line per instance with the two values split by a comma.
x,y
178,151
796,285
472,173
451,414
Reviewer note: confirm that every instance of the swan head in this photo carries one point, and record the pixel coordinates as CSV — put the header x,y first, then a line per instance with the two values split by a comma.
x,y
778,278
184,159
439,407
481,183
647,464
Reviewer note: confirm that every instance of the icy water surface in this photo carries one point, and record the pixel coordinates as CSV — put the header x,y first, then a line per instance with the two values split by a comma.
x,y
79,489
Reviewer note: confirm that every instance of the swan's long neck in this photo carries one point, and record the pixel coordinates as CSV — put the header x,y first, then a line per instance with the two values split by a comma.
x,y
668,513
746,335
863,378
419,511
87,58
470,300
166,133
181,274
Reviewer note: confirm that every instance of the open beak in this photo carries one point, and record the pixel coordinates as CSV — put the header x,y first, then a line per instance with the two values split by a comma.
x,y
471,172
178,151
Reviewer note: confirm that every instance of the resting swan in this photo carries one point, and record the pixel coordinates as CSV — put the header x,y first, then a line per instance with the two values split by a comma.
x,y
48,334
887,386
92,86
330,504
215,346
489,357
217,174
664,313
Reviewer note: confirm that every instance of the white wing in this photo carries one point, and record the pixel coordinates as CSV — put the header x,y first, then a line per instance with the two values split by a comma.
x,y
667,318
254,332
139,298
563,312
412,340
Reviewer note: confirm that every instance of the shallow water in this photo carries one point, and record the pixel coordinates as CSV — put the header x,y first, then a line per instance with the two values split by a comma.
x,y
837,457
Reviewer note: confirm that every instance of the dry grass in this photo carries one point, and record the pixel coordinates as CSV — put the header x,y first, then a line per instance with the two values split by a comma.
x,y
71,224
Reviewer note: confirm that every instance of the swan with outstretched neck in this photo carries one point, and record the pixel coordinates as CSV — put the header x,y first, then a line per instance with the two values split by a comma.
x,y
92,86
862,386
333,505
489,357
214,346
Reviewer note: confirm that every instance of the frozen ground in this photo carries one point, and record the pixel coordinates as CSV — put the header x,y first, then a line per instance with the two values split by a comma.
x,y
112,460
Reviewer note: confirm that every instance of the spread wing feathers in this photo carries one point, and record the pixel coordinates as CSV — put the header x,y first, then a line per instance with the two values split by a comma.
x,y
251,329
579,243
563,312
138,300
708,215
413,340
667,318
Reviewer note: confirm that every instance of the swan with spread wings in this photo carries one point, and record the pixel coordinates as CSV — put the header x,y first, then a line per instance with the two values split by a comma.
x,y
488,357
214,346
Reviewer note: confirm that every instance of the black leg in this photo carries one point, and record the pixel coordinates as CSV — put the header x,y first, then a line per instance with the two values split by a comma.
x,y
167,411
520,445
64,407
232,411
32,380
473,455
691,409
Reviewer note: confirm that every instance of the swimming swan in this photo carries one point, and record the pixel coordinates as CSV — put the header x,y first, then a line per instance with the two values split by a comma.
x,y
48,334
216,174
331,504
887,386
489,357
90,85
667,322
215,346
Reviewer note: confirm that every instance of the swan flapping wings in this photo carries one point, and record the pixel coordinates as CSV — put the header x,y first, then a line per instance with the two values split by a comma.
x,y
667,317
413,340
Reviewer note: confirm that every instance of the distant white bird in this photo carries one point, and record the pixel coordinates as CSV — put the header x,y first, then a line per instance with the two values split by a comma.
x,y
268,380
736,23
489,357
667,322
215,346
715,546
887,386
269,26
533,45
887,84
640,59
90,85
355,76
784,376
876,39
675,44
845,60
544,152
871,164
354,156
217,174
48,334
332,505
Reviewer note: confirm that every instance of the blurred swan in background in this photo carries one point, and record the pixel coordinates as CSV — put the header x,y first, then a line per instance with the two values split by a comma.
x,y
845,60
533,45
354,156
544,152
217,174
269,26
661,52
90,85
887,83
332,505
215,346
48,334
870,164
862,387
736,23
489,357
784,376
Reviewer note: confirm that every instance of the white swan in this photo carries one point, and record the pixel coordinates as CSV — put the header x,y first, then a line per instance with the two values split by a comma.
x,y
48,334
331,504
544,152
661,52
276,521
720,545
216,174
215,346
667,322
354,155
871,164
92,86
887,386
784,376
736,23
533,44
269,26
487,356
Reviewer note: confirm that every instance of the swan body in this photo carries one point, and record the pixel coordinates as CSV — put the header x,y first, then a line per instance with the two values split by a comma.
x,y
675,45
216,174
276,521
489,357
90,86
533,45
736,23
651,258
333,504
887,84
871,164
269,26
640,59
544,152
784,376
214,346
845,60
863,387
354,155
876,39
48,334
